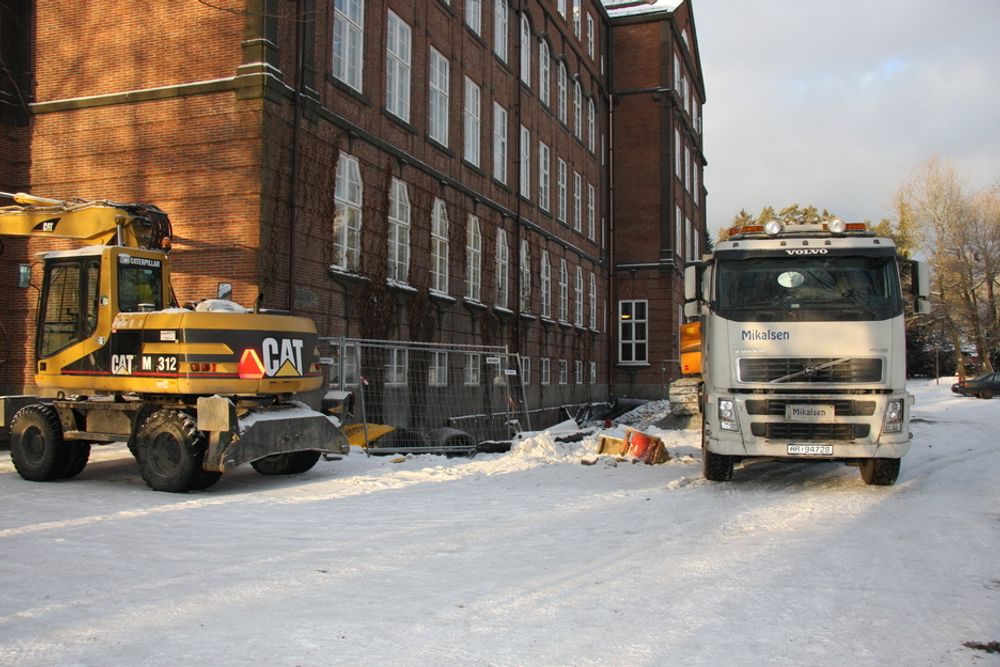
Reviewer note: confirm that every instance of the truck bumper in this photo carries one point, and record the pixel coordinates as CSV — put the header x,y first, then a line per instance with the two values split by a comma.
x,y
739,447
290,427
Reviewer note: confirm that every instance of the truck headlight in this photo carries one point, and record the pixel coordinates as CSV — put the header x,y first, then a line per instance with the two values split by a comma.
x,y
727,415
893,416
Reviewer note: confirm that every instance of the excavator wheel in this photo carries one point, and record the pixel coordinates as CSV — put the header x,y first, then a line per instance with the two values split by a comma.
x,y
170,450
292,463
36,444
79,454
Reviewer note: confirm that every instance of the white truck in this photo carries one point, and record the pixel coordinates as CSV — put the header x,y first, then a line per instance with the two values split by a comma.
x,y
802,347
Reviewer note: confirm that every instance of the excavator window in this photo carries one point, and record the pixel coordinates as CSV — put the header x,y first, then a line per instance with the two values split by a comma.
x,y
61,309
140,287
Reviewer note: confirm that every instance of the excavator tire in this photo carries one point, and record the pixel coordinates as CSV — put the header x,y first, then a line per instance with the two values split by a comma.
x,y
36,444
170,450
79,454
292,463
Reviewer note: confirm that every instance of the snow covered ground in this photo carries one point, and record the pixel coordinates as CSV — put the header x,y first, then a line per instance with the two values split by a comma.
x,y
524,558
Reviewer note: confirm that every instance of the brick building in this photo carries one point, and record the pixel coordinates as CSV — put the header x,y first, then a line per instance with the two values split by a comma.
x,y
434,171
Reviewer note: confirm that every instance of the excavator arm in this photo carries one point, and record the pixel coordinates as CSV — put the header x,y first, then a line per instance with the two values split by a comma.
x,y
99,222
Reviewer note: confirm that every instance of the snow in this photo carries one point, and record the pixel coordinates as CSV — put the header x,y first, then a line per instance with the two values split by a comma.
x,y
523,558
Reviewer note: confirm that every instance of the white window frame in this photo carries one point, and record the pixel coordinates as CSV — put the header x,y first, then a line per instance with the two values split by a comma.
x,y
349,42
400,214
471,114
593,301
503,269
471,370
577,202
544,371
591,211
544,177
545,284
437,97
563,371
561,7
397,66
578,293
473,259
562,83
525,167
563,291
590,36
593,372
561,193
578,110
525,371
499,143
524,301
348,214
525,50
396,367
350,354
577,18
501,24
544,72
437,369
439,247
578,371
474,15
591,124
629,330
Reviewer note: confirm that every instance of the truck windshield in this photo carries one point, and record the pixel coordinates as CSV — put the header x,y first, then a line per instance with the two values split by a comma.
x,y
812,288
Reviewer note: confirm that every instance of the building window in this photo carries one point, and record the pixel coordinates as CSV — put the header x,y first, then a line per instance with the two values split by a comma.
x,y
437,369
397,67
473,259
578,371
561,6
561,83
439,247
545,281
503,268
563,371
437,98
632,321
471,369
563,291
347,214
677,153
591,212
593,301
347,361
501,11
590,36
525,162
578,110
348,41
544,72
578,311
593,372
543,176
499,143
561,191
525,370
544,374
395,367
470,114
525,291
591,124
577,17
577,201
399,231
474,15
525,50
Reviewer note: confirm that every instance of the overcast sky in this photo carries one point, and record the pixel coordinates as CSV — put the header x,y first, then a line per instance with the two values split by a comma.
x,y
836,103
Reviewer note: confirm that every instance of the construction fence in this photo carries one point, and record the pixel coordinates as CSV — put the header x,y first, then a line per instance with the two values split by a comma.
x,y
426,397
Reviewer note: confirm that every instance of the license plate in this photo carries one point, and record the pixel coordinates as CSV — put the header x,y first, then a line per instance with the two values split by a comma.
x,y
811,450
809,412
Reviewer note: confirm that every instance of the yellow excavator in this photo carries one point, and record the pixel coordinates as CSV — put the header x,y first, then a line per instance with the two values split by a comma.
x,y
195,391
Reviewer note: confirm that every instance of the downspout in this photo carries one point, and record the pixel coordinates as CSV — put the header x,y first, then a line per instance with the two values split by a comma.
x,y
517,204
300,39
612,303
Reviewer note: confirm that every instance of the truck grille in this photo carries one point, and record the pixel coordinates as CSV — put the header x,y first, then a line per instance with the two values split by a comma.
x,y
811,370
797,431
843,408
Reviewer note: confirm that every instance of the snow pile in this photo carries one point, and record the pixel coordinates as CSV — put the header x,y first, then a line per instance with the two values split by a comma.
x,y
646,414
545,447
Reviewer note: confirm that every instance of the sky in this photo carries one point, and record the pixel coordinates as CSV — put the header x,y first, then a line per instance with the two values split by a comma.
x,y
837,104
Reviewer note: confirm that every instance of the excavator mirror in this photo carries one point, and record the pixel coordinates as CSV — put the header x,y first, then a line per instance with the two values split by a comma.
x,y
24,275
225,291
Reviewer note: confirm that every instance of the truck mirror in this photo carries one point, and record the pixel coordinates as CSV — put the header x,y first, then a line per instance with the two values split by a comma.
x,y
921,285
225,291
691,287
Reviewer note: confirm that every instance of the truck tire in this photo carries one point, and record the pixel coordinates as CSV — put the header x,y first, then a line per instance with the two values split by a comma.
x,y
170,450
79,454
716,467
292,463
879,472
36,444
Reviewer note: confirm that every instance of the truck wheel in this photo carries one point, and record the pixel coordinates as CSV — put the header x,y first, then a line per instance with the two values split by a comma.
x,y
79,454
36,444
170,450
292,463
880,472
717,467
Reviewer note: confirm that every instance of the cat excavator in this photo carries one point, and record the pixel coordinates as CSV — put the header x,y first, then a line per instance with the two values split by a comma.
x,y
194,390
